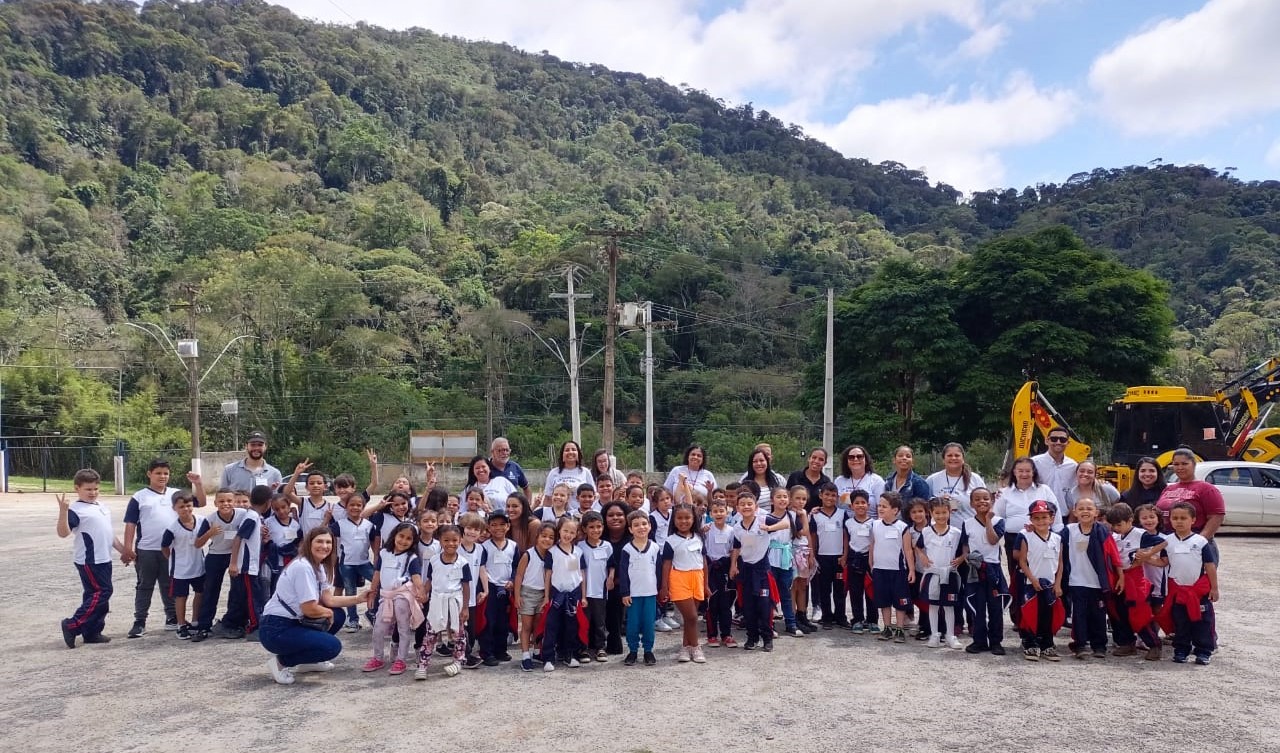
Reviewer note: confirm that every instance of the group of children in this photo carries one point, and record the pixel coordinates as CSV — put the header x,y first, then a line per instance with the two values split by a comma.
x,y
571,582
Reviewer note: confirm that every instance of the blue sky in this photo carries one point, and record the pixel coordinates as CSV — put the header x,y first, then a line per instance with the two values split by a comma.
x,y
977,93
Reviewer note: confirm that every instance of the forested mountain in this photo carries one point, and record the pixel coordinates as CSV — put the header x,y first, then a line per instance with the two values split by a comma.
x,y
379,209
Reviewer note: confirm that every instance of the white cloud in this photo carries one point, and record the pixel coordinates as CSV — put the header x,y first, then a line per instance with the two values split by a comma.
x,y
798,49
957,141
1189,75
1272,158
983,41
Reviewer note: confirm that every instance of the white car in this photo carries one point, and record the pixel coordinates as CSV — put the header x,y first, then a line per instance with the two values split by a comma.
x,y
1250,490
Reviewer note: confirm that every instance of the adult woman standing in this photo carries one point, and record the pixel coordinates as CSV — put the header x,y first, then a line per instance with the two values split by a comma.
x,y
905,481
305,589
604,464
496,489
1211,510
856,473
695,471
1147,487
1104,495
760,471
954,483
1013,503
569,470
811,476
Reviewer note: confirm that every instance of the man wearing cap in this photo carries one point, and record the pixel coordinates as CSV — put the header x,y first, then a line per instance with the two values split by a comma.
x,y
253,469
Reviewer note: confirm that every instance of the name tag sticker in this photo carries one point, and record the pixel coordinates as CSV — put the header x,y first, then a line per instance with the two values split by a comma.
x,y
890,535
229,533
1050,554
695,545
830,527
599,553
722,537
864,531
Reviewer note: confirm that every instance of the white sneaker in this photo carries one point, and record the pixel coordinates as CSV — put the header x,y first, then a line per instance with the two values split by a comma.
x,y
548,667
574,663
696,655
934,641
352,627
797,632
953,642
420,673
685,655
661,626
452,669
324,666
672,622
282,675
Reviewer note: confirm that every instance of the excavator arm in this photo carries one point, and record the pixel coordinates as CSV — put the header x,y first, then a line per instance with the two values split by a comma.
x,y
1032,413
1247,400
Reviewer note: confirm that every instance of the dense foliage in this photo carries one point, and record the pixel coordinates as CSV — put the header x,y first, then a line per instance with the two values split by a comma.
x,y
379,209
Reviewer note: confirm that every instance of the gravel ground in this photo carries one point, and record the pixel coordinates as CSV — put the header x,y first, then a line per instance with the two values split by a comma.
x,y
157,693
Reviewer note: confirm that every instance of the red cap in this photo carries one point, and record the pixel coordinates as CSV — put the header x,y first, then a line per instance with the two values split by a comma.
x,y
1041,505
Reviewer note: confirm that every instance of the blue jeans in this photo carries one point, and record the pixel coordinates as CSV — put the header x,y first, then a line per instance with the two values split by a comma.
x,y
293,644
640,618
352,576
784,578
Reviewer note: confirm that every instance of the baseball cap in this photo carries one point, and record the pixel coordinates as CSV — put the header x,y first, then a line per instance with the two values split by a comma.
x,y
256,436
1041,505
498,515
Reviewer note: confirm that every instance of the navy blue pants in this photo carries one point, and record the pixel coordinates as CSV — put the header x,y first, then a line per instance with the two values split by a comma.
x,y
561,633
1126,634
497,623
828,589
215,569
1200,636
720,605
293,644
757,609
244,604
984,601
1088,619
864,609
91,617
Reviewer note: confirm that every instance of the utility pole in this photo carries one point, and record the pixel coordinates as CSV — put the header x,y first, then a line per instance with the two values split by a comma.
x,y
571,298
193,379
649,325
828,384
611,329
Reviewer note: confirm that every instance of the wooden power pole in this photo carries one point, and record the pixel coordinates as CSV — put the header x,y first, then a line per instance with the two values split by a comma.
x,y
611,328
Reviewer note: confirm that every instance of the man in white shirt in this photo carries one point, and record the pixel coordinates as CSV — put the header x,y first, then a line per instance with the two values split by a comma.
x,y
1056,470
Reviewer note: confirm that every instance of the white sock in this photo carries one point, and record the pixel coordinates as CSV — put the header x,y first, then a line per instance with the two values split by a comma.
x,y
526,655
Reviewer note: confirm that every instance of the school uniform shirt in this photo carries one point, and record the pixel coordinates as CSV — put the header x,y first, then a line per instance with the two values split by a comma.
x,y
152,513
783,536
384,523
284,535
638,569
659,527
1187,557
396,569
1014,503
1080,573
299,583
250,531
495,492
1157,574
1043,555
535,570
186,560
859,533
752,542
499,562
684,552
567,568
90,523
549,515
942,484
871,483
719,542
887,537
916,551
310,516
1129,544
572,477
829,530
975,537
597,569
223,542
448,577
355,539
940,548
473,560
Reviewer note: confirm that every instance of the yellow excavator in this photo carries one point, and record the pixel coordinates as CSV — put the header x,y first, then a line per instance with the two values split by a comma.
x,y
1154,421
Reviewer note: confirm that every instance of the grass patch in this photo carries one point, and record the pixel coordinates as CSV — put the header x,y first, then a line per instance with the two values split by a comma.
x,y
36,484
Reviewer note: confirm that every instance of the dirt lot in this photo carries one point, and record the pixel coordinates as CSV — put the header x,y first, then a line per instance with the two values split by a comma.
x,y
828,691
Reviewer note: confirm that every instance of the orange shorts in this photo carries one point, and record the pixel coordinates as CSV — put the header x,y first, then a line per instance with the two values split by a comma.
x,y
688,584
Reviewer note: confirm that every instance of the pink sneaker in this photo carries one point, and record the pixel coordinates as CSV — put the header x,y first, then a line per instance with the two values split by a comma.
x,y
713,642
398,667
373,665
729,642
